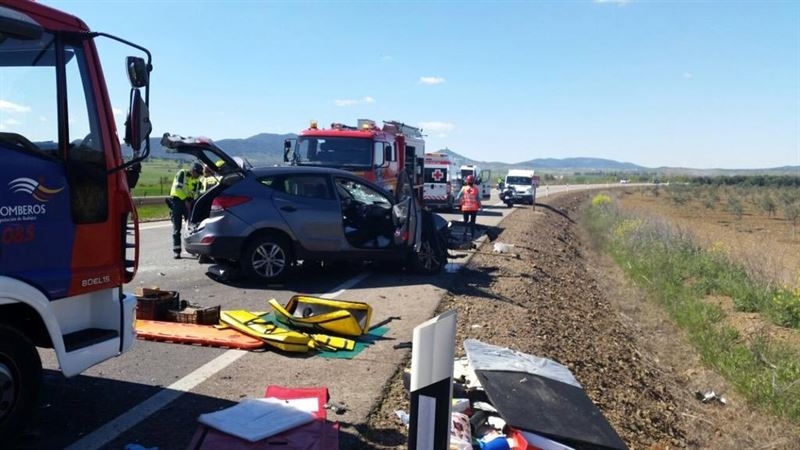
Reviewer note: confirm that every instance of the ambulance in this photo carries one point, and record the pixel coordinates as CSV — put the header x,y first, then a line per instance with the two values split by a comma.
x,y
437,191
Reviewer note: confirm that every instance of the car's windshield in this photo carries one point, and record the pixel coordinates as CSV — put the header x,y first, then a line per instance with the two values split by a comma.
x,y
336,152
518,180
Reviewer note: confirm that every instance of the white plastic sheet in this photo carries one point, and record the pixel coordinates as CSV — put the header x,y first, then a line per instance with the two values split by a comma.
x,y
255,419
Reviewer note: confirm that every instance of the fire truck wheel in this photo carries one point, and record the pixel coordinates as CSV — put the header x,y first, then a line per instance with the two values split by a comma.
x,y
267,258
20,382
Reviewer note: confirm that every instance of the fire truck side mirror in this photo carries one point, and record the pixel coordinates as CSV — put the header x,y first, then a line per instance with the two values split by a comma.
x,y
387,153
138,126
287,150
138,72
17,25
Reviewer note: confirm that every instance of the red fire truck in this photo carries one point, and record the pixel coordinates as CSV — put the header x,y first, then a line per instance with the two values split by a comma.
x,y
379,154
68,225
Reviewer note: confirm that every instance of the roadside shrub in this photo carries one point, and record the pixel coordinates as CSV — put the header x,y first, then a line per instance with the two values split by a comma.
x,y
601,199
680,275
786,307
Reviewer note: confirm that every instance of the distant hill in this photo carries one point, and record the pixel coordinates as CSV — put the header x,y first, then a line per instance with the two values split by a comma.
x,y
267,149
261,149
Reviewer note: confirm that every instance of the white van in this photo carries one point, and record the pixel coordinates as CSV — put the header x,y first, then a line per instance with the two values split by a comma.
x,y
520,187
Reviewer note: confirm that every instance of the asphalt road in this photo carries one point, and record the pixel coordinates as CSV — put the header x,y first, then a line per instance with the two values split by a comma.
x,y
153,394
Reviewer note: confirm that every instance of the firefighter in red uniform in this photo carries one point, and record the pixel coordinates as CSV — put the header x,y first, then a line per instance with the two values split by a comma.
x,y
470,200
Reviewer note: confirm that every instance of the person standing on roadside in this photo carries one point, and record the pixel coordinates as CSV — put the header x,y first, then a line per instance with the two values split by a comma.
x,y
469,199
185,187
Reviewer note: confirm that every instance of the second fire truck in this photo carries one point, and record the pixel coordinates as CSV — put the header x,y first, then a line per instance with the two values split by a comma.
x,y
378,154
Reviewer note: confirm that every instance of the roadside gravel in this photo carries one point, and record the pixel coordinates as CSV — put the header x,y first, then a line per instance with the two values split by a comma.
x,y
553,296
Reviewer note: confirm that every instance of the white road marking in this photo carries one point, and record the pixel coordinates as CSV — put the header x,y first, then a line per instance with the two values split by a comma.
x,y
111,430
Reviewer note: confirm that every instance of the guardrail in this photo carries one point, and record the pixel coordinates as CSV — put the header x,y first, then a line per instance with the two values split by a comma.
x,y
156,200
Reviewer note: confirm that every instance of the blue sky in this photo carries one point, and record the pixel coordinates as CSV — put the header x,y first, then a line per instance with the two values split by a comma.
x,y
700,84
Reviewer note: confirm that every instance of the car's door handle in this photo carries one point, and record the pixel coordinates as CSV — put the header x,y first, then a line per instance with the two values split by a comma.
x,y
288,208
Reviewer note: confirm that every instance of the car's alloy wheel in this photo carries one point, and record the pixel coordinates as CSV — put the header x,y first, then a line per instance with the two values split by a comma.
x,y
427,260
267,258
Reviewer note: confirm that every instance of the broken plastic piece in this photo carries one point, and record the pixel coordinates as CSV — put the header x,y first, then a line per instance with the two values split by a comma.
x,y
337,407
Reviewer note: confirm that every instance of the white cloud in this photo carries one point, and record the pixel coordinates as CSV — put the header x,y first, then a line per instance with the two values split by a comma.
x,y
354,102
437,127
431,80
13,107
118,112
617,2
12,122
687,75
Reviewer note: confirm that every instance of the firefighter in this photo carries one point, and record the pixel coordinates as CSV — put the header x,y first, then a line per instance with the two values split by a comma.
x,y
185,187
208,180
470,200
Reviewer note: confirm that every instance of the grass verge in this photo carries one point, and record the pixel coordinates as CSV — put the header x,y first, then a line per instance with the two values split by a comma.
x,y
681,276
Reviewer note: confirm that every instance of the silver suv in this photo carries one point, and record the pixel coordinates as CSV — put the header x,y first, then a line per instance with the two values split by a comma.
x,y
264,220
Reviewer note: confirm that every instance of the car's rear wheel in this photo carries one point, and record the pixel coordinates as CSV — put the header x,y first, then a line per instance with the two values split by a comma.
x,y
268,258
20,381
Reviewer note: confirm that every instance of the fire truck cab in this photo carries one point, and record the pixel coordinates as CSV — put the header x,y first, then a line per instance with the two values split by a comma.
x,y
378,154
68,225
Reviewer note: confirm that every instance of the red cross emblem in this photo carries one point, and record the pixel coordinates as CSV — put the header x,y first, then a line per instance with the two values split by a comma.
x,y
437,175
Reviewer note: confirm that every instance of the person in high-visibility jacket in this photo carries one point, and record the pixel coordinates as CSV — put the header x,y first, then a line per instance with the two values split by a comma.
x,y
185,188
208,180
469,198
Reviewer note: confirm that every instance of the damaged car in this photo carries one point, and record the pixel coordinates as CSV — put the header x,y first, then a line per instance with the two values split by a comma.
x,y
264,220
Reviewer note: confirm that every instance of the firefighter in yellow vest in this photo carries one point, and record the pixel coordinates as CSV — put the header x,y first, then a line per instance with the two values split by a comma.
x,y
208,180
470,200
185,188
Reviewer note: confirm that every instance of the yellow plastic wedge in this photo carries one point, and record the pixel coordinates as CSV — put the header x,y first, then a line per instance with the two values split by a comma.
x,y
252,324
339,317
333,342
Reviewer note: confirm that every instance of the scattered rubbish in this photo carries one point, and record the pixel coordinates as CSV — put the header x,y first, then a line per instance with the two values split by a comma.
x,y
500,247
254,419
337,407
154,303
460,432
195,314
402,345
318,433
710,396
531,397
403,416
340,317
189,333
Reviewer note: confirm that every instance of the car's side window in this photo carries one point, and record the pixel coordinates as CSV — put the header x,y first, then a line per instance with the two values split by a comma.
x,y
362,193
304,185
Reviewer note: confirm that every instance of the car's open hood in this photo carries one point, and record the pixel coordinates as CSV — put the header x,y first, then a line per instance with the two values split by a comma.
x,y
206,151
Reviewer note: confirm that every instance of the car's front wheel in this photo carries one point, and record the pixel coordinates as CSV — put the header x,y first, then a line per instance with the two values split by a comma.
x,y
427,260
267,258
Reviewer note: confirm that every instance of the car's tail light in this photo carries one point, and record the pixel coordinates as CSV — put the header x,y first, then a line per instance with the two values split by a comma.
x,y
401,235
224,202
207,240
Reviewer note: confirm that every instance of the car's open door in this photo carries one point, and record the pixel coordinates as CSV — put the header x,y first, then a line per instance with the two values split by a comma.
x,y
407,214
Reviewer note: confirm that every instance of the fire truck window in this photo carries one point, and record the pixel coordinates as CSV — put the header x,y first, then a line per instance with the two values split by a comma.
x,y
86,166
378,152
28,93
